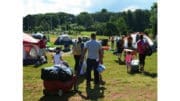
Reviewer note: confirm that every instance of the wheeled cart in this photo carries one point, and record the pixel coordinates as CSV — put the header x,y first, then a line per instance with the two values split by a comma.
x,y
57,87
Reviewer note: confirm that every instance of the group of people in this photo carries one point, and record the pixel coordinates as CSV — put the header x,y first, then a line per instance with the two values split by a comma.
x,y
95,56
130,52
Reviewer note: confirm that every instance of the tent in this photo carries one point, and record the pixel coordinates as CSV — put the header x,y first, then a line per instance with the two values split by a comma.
x,y
63,39
30,49
135,38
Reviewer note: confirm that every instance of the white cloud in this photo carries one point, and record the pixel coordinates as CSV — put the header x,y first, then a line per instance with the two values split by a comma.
x,y
44,6
131,8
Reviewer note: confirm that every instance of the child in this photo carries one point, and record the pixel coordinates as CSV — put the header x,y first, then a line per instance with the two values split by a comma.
x,y
128,59
57,57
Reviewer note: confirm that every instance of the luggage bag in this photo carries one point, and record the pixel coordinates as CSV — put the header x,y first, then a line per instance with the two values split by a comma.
x,y
56,73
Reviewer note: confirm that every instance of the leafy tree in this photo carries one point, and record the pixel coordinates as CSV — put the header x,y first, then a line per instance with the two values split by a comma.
x,y
120,24
153,19
84,19
110,29
104,22
141,20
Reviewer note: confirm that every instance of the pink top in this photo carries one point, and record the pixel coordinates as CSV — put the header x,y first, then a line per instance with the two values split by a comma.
x,y
128,58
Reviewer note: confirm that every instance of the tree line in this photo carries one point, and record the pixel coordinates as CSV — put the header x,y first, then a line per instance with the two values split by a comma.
x,y
103,22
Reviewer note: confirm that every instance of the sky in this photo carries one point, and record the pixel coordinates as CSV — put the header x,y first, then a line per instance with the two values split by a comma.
x,y
77,6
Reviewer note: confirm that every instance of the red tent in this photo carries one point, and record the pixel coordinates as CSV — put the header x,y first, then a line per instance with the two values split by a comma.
x,y
28,39
30,47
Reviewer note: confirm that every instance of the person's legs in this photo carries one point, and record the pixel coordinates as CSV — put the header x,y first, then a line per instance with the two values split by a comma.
x,y
120,54
76,67
127,67
143,58
142,62
88,72
96,73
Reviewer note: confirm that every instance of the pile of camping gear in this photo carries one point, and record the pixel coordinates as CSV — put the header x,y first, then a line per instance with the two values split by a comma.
x,y
57,79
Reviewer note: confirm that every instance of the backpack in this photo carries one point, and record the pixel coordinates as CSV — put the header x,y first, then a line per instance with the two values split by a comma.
x,y
148,50
77,49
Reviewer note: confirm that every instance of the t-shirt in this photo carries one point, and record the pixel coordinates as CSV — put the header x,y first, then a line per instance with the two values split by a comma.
x,y
141,46
128,58
93,48
42,43
56,58
77,49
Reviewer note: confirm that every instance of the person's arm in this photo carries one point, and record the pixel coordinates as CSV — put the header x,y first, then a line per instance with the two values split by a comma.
x,y
83,54
60,56
101,56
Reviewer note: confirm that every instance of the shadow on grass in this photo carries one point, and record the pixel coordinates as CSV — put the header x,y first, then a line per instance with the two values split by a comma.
x,y
153,75
64,97
120,62
80,80
93,93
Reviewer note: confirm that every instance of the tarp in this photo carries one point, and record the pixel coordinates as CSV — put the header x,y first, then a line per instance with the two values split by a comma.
x,y
29,39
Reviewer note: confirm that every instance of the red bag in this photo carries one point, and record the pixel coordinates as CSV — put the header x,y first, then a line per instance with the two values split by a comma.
x,y
54,86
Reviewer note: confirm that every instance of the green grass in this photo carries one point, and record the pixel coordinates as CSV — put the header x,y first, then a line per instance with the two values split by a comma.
x,y
120,86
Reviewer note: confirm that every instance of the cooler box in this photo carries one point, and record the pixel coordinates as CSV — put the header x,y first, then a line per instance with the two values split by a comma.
x,y
135,65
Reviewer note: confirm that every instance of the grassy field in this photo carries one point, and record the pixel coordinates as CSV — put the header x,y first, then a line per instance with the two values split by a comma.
x,y
120,86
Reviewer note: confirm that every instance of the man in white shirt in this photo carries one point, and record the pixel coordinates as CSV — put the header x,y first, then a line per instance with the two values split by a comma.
x,y
93,58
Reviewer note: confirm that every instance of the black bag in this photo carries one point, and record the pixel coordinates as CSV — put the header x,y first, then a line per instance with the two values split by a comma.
x,y
55,73
49,74
148,51
63,75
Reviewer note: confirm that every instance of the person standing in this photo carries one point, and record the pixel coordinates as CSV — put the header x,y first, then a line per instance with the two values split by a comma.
x,y
42,46
141,48
112,42
93,58
77,52
120,48
42,58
